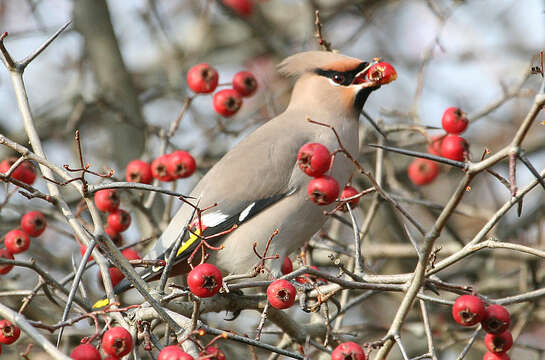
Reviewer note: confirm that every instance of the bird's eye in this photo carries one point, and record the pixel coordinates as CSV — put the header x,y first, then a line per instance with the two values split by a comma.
x,y
338,78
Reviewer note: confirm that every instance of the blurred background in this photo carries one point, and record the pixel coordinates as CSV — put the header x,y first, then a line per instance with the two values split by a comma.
x,y
118,75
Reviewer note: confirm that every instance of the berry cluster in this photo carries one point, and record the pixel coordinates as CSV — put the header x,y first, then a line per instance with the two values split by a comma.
x,y
9,333
314,159
452,146
203,79
17,241
469,310
176,165
116,343
24,172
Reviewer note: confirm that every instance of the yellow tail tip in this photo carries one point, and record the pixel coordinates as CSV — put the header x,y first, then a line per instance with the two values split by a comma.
x,y
101,303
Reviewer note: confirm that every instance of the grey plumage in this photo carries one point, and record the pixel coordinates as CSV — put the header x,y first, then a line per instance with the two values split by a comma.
x,y
262,170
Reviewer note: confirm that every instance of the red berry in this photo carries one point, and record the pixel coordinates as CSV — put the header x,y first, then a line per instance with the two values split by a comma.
x,y
25,172
494,356
204,280
434,147
348,192
281,294
131,254
5,268
454,147
313,159
83,249
323,190
244,83
16,241
468,310
227,102
382,73
216,353
498,343
423,171
107,200
9,332
0,349
181,164
119,220
139,171
159,168
287,265
33,223
348,350
117,342
496,319
454,120
173,352
202,78
85,352
115,275
114,235
241,7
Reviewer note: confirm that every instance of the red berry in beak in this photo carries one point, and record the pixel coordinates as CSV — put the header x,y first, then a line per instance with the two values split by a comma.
x,y
382,73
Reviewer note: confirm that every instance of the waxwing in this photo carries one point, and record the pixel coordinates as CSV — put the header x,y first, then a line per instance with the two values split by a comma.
x,y
258,185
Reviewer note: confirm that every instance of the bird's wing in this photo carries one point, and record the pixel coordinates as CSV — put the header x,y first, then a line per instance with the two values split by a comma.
x,y
255,174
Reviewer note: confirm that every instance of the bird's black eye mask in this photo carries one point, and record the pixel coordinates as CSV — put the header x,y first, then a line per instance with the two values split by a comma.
x,y
342,78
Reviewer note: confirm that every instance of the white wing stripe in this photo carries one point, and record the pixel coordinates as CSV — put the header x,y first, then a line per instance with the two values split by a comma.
x,y
245,212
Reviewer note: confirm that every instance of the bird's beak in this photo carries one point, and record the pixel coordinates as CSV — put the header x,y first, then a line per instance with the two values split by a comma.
x,y
361,81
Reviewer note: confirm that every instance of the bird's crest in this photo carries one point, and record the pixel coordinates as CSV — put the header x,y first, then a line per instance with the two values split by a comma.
x,y
298,64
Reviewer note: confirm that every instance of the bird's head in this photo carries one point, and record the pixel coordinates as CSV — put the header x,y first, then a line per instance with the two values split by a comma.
x,y
328,79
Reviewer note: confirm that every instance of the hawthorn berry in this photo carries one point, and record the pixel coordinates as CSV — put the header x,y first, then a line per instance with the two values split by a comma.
x,y
33,223
313,159
241,7
202,78
25,172
119,220
496,356
107,200
85,352
454,120
498,343
9,332
139,171
434,147
117,342
281,294
204,280
115,275
114,235
245,83
212,353
454,147
348,192
468,310
159,168
496,319
323,190
348,350
287,265
131,254
181,164
16,241
227,102
422,171
173,352
382,73
5,268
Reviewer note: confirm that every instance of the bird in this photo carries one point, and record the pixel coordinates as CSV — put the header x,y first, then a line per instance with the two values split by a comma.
x,y
256,189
